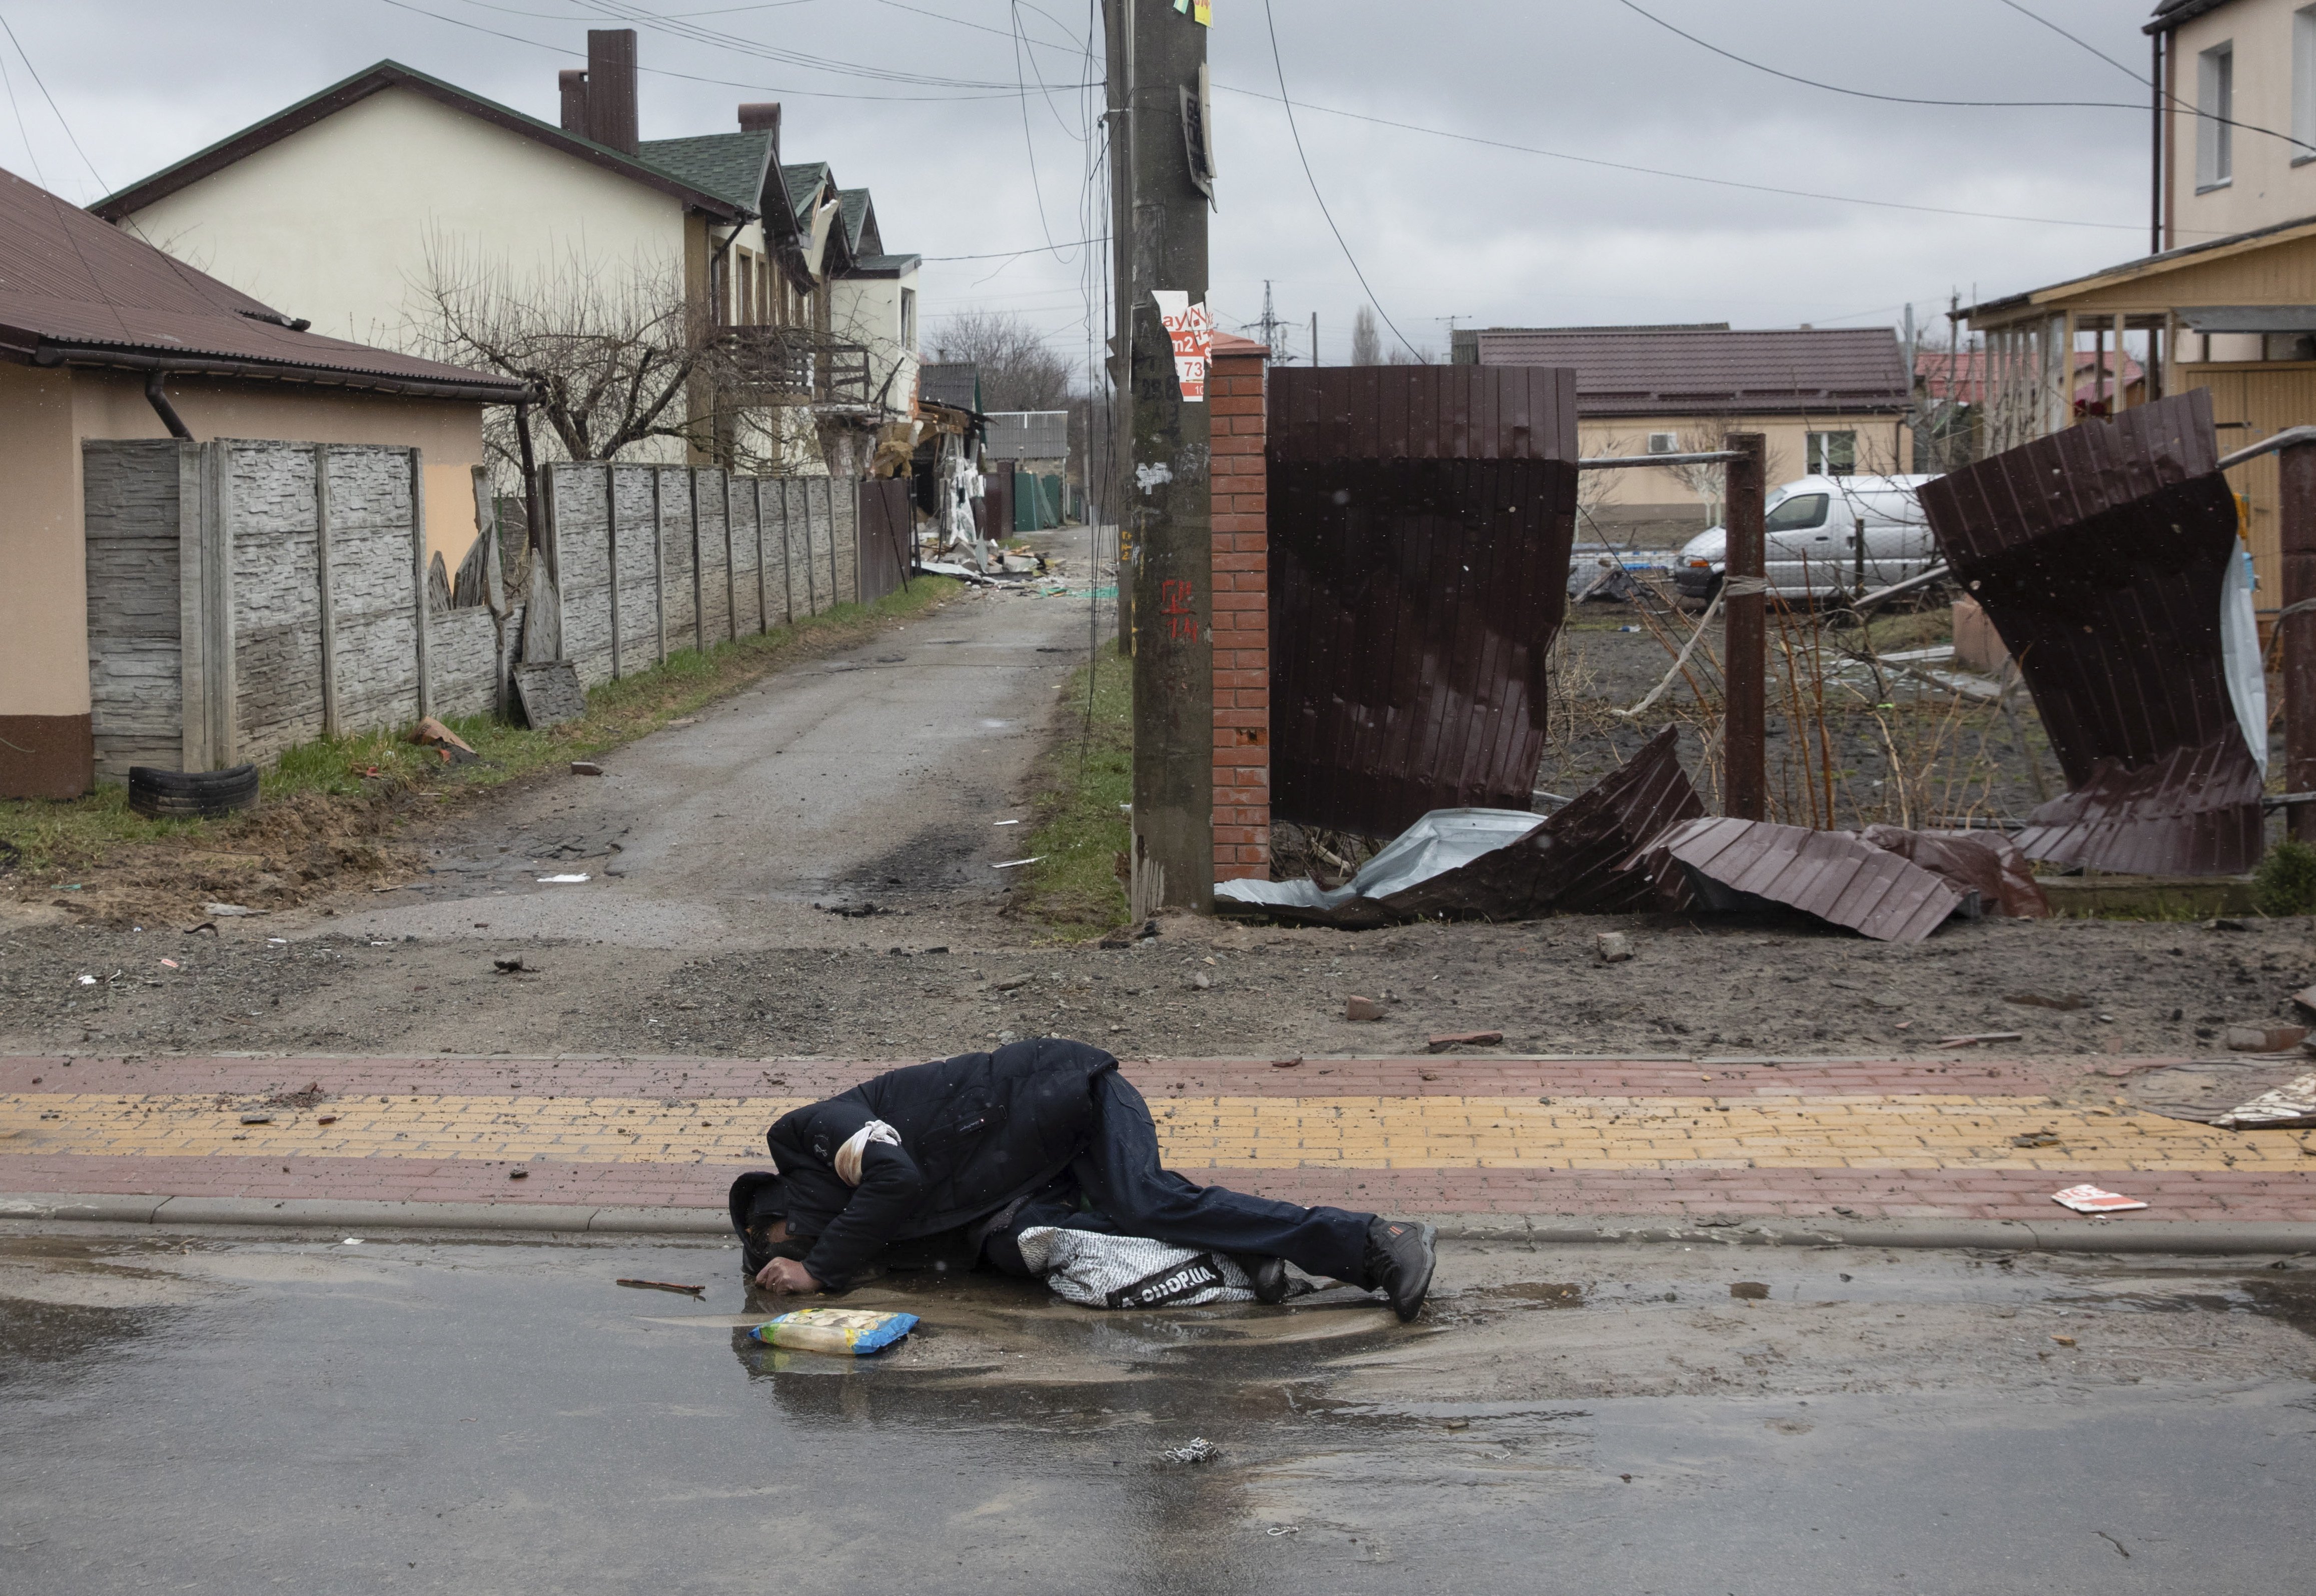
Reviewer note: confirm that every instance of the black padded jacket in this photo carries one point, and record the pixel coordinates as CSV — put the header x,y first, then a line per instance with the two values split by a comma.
x,y
976,1132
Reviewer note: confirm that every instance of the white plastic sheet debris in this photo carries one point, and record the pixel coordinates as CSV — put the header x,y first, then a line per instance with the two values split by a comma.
x,y
2289,1105
2090,1199
2239,657
1130,1272
1442,841
562,880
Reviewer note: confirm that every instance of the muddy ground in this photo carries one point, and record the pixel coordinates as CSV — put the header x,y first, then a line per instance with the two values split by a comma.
x,y
884,989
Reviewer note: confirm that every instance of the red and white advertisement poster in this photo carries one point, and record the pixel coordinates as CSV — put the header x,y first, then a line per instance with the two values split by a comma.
x,y
1192,331
2090,1199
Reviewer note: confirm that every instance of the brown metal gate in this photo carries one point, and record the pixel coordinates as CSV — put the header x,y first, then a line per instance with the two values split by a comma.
x,y
887,533
1420,520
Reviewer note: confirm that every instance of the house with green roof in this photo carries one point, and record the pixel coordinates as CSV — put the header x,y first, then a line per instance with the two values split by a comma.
x,y
359,207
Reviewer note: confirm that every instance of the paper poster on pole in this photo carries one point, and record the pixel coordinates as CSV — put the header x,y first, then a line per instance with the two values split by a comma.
x,y
1200,12
1192,333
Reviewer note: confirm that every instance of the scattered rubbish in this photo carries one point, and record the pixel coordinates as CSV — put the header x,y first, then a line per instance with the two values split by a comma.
x,y
88,980
563,881
2273,1038
2224,924
514,967
1015,864
326,1120
1613,947
1503,864
2036,1138
1984,861
258,1116
2288,1106
2207,1091
851,910
550,694
1199,981
1294,1062
854,1331
351,1241
2064,1002
2304,999
1149,929
229,910
2069,1340
685,720
1465,1038
1011,983
277,942
518,1175
1750,1291
586,767
664,1286
1730,865
2144,661
1199,1451
1980,1038
1354,1008
207,926
2090,1199
171,964
1005,822
431,732
1096,1270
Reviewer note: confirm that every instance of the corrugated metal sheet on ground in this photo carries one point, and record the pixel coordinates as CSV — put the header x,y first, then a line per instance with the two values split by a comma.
x,y
1420,520
1837,876
2099,552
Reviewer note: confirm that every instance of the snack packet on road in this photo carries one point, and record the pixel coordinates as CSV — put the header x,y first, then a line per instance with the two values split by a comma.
x,y
2090,1199
854,1331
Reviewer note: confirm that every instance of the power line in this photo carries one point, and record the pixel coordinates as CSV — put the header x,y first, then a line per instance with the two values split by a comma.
x,y
1271,23
102,186
1835,88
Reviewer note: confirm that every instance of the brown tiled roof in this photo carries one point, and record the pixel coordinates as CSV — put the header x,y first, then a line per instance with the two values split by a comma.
x,y
75,290
1692,372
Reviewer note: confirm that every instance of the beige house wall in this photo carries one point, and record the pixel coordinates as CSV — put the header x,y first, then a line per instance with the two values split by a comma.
x,y
866,310
43,573
2273,181
1651,499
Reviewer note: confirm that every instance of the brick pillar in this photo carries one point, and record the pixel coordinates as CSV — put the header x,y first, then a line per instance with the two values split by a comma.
x,y
1241,611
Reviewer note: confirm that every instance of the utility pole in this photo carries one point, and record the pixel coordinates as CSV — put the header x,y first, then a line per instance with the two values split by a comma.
x,y
1745,607
1314,338
1157,57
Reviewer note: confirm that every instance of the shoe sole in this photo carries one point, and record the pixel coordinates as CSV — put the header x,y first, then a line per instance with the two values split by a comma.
x,y
1429,1235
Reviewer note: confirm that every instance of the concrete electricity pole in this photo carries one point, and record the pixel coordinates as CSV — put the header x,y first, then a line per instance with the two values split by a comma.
x,y
1745,605
1161,175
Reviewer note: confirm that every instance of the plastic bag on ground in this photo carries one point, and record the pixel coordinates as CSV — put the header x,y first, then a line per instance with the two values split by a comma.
x,y
1130,1272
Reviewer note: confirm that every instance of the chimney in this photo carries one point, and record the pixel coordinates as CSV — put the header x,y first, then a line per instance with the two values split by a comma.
x,y
611,88
761,116
574,102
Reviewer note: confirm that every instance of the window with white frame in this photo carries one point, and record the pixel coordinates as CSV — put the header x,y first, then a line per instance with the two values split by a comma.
x,y
2303,84
1832,454
2215,109
1664,443
909,319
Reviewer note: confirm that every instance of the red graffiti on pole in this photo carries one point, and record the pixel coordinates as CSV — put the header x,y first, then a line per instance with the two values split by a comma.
x,y
1181,616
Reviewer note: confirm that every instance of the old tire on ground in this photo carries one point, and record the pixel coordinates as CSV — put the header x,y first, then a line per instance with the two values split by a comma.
x,y
190,794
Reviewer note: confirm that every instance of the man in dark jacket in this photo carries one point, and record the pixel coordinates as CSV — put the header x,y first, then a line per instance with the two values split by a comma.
x,y
964,1153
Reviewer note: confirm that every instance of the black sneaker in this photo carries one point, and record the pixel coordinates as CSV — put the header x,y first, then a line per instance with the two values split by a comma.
x,y
1399,1260
1267,1275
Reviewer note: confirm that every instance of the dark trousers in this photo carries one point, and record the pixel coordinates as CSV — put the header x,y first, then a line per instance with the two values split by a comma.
x,y
1117,1187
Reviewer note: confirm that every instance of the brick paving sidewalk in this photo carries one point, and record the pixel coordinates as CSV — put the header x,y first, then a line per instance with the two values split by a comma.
x,y
1859,1139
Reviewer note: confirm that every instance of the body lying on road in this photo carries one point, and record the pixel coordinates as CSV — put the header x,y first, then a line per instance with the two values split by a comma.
x,y
977,1158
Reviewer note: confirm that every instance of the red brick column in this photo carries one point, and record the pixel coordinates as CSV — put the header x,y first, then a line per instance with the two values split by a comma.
x,y
1241,610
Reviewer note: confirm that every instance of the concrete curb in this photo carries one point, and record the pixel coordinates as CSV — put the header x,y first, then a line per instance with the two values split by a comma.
x,y
2195,1237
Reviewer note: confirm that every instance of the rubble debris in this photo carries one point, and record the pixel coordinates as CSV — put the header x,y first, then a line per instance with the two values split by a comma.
x,y
2304,999
2069,1340
2270,1038
1446,1040
1503,864
1613,947
2108,558
1985,861
1011,983
1362,1009
549,694
853,911
431,732
2064,1002
514,967
2036,1138
663,1286
586,767
566,879
1754,865
2090,1199
1015,864
257,1117
2289,1107
518,1175
1199,1451
1981,1038
1750,1291
229,910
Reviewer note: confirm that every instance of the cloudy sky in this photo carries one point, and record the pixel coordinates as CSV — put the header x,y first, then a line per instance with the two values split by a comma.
x,y
923,103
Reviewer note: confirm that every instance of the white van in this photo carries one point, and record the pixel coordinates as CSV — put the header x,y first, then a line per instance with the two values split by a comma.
x,y
1825,536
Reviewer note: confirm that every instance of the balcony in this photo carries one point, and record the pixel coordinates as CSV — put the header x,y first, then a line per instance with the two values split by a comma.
x,y
795,366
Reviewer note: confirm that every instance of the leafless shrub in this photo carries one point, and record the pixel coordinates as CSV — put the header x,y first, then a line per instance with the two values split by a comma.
x,y
1019,370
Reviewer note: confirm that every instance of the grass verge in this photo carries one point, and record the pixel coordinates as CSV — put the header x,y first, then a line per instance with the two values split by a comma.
x,y
1086,779
334,792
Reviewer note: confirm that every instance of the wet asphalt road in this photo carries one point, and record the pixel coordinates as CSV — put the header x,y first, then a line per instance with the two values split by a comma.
x,y
251,1413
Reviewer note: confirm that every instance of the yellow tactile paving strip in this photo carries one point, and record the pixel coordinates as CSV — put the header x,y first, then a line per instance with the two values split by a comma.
x,y
1229,1132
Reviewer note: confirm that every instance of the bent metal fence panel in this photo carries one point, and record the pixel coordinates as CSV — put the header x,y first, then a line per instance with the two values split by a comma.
x,y
1421,521
2101,554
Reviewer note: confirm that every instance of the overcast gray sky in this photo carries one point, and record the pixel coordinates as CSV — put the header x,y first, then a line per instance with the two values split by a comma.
x,y
921,102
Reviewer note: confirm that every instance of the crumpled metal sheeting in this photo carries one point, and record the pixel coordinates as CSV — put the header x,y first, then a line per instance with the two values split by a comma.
x,y
1506,864
1986,862
2195,812
1837,876
2100,553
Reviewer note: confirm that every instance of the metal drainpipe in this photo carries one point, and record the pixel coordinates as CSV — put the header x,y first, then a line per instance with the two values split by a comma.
x,y
164,409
